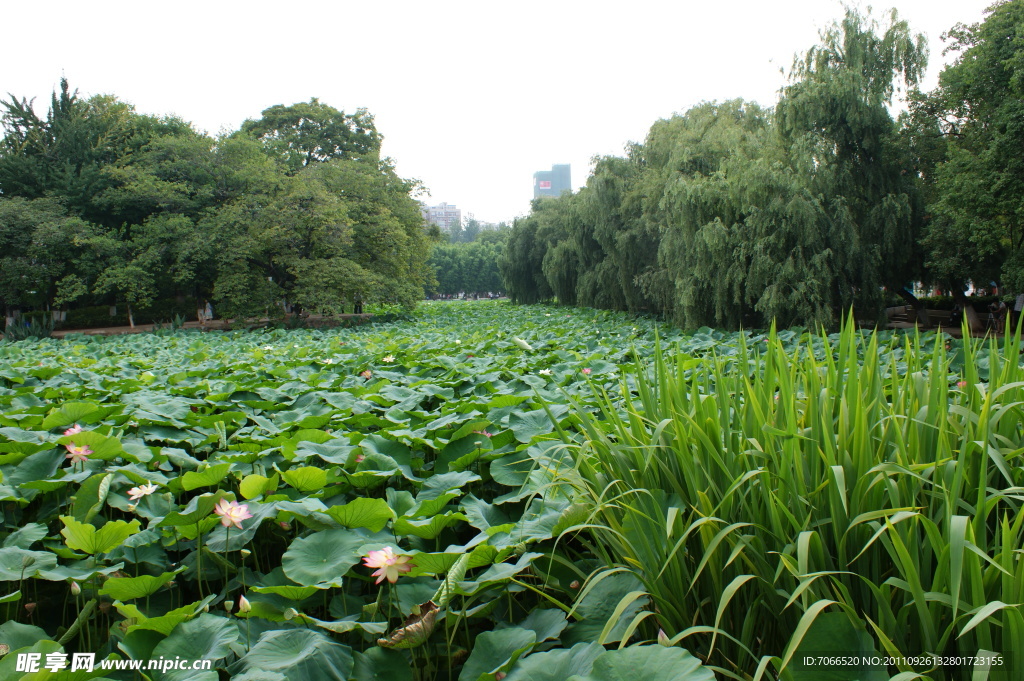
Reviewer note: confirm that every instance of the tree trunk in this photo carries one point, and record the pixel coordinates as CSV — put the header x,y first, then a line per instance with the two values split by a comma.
x,y
131,317
919,310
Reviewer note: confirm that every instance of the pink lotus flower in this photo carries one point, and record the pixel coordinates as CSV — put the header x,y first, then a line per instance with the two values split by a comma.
x,y
136,493
231,513
483,432
73,430
961,384
586,371
78,454
366,374
390,564
360,457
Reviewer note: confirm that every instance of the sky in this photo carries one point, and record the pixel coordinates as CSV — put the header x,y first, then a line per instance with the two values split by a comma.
x,y
471,97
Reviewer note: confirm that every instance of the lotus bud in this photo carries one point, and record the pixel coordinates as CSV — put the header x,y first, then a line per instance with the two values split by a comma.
x,y
663,639
229,606
499,676
206,608
285,526
75,588
244,605
291,613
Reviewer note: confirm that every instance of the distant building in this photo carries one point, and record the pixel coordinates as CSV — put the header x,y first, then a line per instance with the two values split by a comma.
x,y
552,182
443,215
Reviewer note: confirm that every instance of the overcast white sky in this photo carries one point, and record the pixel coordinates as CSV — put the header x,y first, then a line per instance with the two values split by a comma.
x,y
472,97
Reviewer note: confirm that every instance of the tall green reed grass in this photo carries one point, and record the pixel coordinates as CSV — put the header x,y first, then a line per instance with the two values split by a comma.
x,y
782,500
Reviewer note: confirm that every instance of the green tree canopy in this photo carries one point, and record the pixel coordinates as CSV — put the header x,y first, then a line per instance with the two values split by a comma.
x,y
978,198
306,133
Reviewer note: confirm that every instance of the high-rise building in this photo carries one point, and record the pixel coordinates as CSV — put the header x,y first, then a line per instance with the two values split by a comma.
x,y
443,215
552,182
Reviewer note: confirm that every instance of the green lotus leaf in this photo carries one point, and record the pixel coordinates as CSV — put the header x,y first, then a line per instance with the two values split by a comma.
x,y
70,413
290,591
528,425
556,665
496,651
306,478
129,588
17,563
546,623
299,655
17,635
372,514
654,663
381,664
104,448
85,537
254,485
26,535
90,497
322,558
198,508
207,637
427,528
599,604
205,478
834,631
164,623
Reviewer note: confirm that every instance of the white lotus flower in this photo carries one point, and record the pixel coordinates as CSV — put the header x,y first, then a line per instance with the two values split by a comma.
x,y
522,344
136,493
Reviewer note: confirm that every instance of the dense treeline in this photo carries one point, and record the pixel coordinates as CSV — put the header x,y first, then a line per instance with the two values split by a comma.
x,y
469,266
735,215
100,205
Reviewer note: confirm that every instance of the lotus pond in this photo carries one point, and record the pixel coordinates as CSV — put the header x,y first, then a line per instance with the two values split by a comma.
x,y
485,491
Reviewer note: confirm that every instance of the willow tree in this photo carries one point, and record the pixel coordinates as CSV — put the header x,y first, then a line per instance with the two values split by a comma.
x,y
539,261
754,216
617,247
834,120
698,168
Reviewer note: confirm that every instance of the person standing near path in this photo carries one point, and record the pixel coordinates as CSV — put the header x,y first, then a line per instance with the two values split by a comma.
x,y
201,314
1018,307
997,316
208,312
